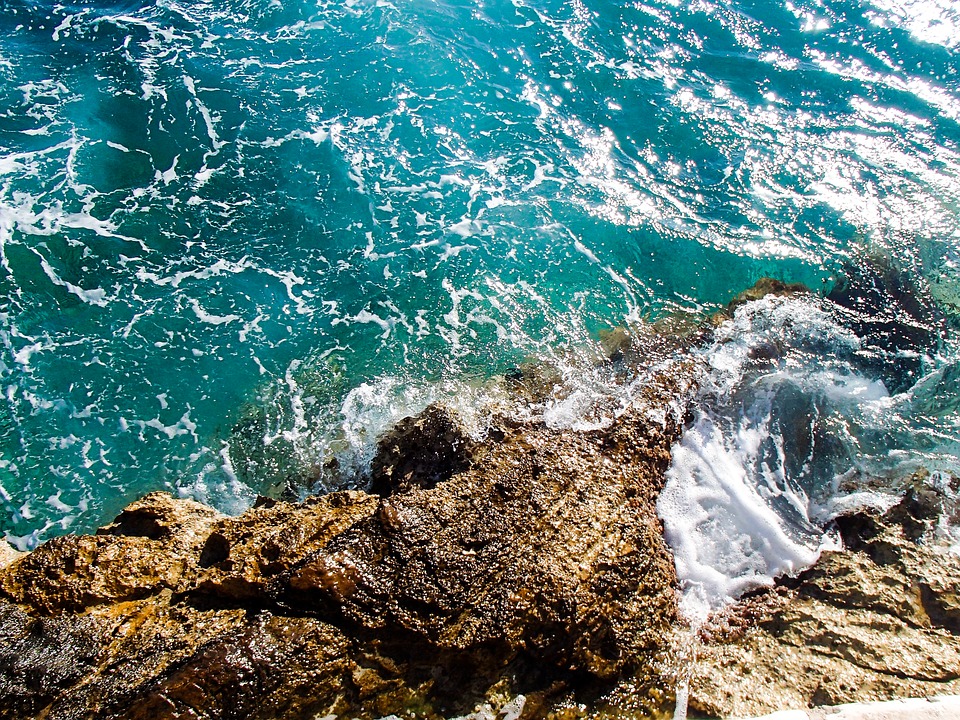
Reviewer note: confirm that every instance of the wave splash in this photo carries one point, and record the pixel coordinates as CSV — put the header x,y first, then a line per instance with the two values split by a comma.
x,y
792,426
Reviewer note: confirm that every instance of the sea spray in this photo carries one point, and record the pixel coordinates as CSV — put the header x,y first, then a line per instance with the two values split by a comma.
x,y
684,655
755,470
790,421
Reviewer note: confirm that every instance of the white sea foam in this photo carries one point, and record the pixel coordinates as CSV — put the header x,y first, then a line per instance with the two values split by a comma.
x,y
204,316
725,537
370,408
216,484
784,416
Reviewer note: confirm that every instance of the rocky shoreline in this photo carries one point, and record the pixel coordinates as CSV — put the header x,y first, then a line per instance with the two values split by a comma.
x,y
877,621
537,569
521,575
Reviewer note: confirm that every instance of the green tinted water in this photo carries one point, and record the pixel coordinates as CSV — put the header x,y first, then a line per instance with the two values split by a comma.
x,y
239,238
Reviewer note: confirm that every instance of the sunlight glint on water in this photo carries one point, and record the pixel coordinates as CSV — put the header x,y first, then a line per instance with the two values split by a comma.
x,y
240,239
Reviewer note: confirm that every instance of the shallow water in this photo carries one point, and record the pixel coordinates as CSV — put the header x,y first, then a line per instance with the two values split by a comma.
x,y
239,239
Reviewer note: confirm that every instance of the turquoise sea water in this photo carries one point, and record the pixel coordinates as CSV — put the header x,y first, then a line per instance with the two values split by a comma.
x,y
239,238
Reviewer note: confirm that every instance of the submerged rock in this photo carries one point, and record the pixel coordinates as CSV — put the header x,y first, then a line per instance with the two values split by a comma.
x,y
530,564
762,288
898,322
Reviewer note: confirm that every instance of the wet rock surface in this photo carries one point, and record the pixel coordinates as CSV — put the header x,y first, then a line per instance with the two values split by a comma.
x,y
523,574
529,564
421,452
878,621
151,546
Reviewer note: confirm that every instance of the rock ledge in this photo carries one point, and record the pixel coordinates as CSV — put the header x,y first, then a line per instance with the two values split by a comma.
x,y
529,565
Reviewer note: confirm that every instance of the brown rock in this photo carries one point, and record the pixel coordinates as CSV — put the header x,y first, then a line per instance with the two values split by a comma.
x,y
158,516
875,622
42,658
548,544
76,572
153,545
519,565
240,556
268,667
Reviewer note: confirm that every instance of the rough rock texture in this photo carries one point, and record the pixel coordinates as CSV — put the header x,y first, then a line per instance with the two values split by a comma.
x,y
531,564
150,547
523,575
421,451
517,552
878,621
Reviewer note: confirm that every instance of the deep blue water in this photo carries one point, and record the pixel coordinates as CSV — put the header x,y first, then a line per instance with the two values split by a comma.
x,y
241,237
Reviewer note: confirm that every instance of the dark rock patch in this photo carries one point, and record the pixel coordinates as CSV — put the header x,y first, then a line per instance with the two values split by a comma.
x,y
420,452
529,568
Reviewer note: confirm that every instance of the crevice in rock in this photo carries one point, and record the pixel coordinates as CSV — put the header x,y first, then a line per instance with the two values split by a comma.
x,y
215,550
943,608
852,659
